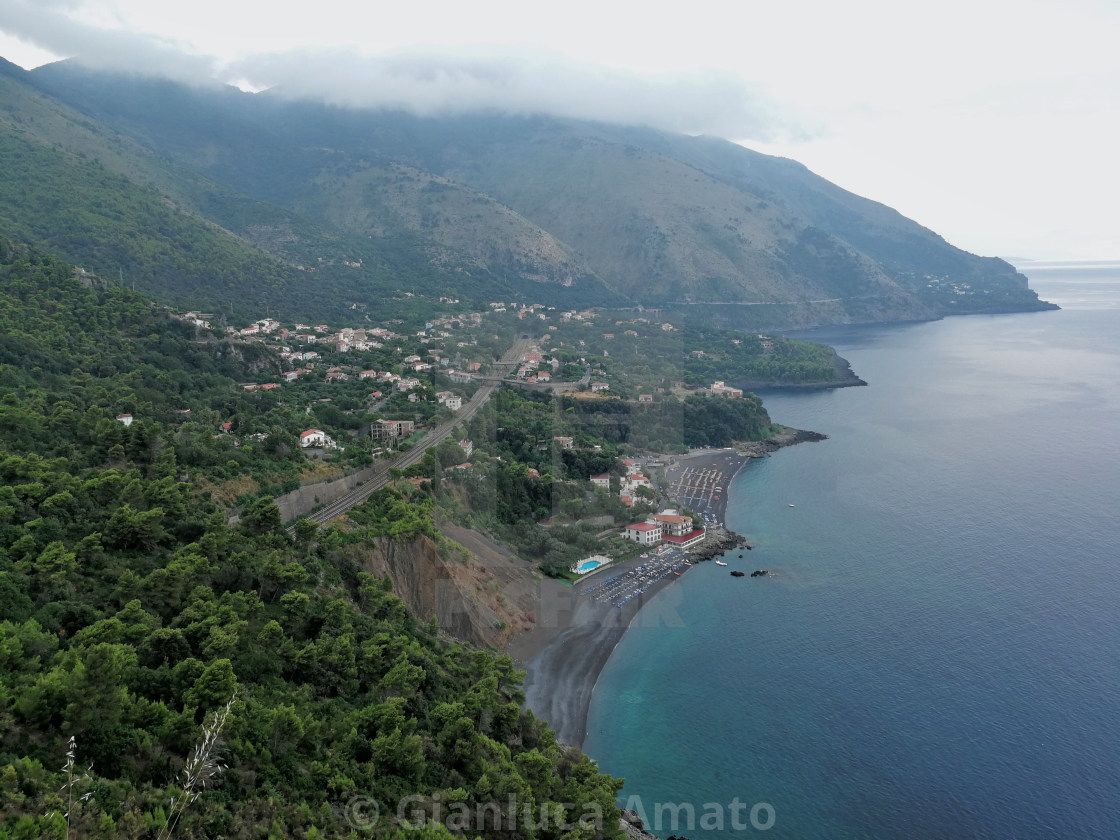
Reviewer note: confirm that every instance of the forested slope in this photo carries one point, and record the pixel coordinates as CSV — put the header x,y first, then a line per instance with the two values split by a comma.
x,y
131,614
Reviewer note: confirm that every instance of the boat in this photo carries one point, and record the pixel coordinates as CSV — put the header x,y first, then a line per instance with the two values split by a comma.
x,y
720,563
793,505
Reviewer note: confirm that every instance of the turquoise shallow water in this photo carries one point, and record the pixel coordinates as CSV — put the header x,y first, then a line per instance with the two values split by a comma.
x,y
939,655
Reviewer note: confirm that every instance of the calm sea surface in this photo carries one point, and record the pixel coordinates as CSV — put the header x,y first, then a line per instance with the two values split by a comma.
x,y
939,655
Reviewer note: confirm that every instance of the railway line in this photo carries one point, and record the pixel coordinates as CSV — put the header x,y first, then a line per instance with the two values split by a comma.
x,y
433,438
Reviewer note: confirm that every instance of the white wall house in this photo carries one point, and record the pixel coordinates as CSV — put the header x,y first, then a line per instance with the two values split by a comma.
x,y
316,438
643,533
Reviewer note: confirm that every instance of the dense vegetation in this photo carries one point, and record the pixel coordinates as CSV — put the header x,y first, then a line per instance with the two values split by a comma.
x,y
131,614
698,421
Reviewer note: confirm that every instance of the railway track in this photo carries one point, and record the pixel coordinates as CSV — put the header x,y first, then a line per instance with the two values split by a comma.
x,y
433,438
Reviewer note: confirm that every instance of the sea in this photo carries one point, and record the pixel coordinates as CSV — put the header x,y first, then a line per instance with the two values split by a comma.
x,y
937,654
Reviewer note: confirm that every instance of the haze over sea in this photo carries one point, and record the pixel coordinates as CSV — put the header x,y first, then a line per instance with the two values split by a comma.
x,y
939,653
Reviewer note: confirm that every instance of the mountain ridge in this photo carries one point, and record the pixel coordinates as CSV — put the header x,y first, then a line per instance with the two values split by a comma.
x,y
576,212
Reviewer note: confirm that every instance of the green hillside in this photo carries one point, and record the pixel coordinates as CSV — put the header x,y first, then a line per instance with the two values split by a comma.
x,y
115,206
133,619
662,219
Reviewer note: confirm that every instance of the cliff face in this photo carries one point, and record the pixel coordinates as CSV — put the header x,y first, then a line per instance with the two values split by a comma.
x,y
472,598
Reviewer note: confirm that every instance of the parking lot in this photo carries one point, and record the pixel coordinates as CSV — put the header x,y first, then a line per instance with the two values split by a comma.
x,y
626,584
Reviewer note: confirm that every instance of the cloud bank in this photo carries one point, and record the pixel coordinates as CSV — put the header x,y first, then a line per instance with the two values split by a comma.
x,y
425,82
429,83
53,25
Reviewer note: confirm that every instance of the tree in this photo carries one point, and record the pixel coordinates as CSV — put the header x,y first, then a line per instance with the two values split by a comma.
x,y
262,517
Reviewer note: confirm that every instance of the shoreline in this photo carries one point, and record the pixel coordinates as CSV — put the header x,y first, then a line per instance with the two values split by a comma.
x,y
575,636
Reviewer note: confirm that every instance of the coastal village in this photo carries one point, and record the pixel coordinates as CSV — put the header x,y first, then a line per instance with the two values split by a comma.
x,y
430,373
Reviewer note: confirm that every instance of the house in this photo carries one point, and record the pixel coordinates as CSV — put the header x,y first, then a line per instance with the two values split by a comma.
x,y
631,465
565,442
533,473
458,376
544,376
474,367
367,374
596,387
468,447
125,419
631,482
603,480
645,398
316,438
608,336
389,430
452,401
672,523
677,530
719,389
643,533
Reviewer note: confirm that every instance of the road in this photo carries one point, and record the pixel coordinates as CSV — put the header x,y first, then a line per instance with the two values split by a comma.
x,y
433,438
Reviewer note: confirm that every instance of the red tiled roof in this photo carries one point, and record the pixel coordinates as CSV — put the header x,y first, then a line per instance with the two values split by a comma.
x,y
696,532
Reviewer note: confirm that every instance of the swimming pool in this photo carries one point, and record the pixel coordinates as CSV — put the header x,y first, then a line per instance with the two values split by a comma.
x,y
589,565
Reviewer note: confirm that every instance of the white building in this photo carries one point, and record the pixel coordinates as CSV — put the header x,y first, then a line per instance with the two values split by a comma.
x,y
316,438
643,533
719,389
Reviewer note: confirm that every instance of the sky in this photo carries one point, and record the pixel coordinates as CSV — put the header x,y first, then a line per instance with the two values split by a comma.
x,y
993,122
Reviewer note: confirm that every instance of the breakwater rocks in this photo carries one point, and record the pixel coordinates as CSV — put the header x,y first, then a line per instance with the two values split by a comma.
x,y
717,543
786,437
634,827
